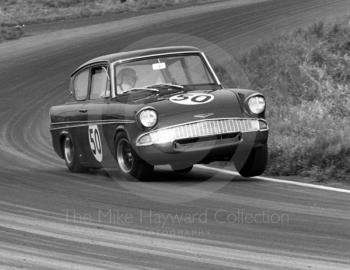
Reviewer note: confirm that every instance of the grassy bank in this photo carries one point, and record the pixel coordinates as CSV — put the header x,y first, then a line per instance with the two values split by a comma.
x,y
306,79
15,13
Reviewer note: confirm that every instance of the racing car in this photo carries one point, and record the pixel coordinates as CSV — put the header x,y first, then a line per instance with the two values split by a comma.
x,y
138,109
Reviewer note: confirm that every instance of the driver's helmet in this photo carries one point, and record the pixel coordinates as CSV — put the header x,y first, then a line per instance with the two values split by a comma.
x,y
126,79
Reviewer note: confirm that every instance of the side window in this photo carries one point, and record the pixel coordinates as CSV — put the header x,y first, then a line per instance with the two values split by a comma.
x,y
81,84
99,82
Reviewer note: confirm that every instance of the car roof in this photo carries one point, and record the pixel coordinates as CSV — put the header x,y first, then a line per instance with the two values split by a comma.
x,y
111,58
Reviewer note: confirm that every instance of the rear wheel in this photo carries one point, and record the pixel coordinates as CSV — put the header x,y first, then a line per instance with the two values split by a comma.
x,y
128,161
256,162
71,156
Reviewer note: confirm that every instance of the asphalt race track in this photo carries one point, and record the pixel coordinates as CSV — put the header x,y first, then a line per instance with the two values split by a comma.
x,y
51,219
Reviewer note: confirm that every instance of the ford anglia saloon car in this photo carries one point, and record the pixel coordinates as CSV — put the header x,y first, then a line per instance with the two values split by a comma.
x,y
138,109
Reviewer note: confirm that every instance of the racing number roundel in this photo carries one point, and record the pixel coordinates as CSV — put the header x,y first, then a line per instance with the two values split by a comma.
x,y
192,98
95,142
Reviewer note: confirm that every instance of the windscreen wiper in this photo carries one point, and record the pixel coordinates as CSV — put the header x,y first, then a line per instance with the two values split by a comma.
x,y
137,89
165,85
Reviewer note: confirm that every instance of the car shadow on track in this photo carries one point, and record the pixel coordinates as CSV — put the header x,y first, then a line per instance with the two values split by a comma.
x,y
162,174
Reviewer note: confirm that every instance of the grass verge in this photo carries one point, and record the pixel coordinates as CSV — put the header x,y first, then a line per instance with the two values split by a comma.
x,y
305,76
16,13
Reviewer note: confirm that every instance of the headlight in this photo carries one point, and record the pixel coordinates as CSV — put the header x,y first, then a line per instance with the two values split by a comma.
x,y
256,104
148,118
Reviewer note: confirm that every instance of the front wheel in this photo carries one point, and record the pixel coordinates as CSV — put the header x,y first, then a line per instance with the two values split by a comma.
x,y
256,162
128,161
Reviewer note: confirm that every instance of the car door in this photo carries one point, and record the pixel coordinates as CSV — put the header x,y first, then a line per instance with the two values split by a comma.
x,y
77,111
99,153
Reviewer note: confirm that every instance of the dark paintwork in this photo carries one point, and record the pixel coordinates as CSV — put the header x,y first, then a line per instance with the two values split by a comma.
x,y
119,113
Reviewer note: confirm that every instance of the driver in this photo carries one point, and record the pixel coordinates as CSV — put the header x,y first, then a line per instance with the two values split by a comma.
x,y
126,80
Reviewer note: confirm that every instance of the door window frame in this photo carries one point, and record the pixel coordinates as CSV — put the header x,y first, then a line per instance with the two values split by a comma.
x,y
88,85
107,69
89,67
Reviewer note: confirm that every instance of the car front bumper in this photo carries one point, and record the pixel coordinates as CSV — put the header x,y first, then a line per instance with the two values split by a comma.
x,y
221,147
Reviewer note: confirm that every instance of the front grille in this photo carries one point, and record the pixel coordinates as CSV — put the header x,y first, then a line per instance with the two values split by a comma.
x,y
209,128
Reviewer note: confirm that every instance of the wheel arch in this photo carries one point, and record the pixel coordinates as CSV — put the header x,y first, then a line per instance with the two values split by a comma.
x,y
119,129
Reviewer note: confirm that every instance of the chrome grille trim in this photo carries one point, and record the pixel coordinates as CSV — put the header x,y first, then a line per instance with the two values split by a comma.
x,y
200,128
210,127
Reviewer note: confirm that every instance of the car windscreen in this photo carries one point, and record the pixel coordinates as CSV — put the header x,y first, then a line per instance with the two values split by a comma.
x,y
180,69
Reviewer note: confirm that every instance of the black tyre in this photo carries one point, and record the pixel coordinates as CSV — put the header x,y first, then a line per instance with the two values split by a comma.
x,y
256,162
71,156
128,161
182,169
